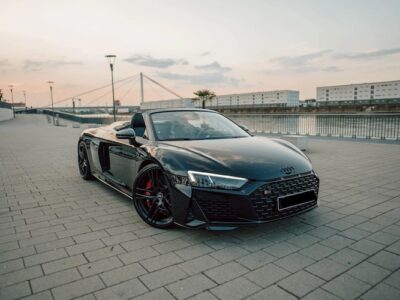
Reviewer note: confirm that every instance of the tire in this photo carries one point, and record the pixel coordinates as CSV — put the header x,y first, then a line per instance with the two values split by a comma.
x,y
83,162
152,198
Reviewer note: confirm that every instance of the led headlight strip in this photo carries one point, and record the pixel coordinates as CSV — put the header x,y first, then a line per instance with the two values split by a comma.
x,y
217,181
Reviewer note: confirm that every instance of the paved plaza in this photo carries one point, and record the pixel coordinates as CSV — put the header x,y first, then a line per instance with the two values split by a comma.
x,y
62,237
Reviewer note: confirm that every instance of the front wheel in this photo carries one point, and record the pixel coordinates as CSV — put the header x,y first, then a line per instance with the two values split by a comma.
x,y
152,197
83,162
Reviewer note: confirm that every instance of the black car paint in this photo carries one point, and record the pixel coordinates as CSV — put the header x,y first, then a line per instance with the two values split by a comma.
x,y
116,162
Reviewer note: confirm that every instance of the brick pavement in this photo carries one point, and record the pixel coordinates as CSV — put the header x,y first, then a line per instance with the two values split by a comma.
x,y
62,237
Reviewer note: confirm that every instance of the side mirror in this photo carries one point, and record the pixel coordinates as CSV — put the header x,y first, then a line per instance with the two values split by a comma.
x,y
126,134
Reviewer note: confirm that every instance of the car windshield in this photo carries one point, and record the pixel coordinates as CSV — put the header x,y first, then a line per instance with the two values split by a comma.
x,y
194,125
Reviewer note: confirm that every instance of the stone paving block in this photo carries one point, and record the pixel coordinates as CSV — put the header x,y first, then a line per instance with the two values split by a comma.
x,y
11,265
190,286
238,288
346,287
256,244
337,242
386,260
47,230
139,244
272,292
37,240
46,295
303,240
53,245
119,238
54,279
90,236
194,251
125,290
323,232
267,275
44,257
99,266
20,276
84,247
348,257
199,264
355,233
256,260
104,252
327,269
281,249
383,238
300,283
161,261
122,274
369,273
158,294
77,288
16,291
228,254
294,262
171,246
317,251
367,247
162,277
204,296
320,294
226,272
137,255
63,264
382,292
393,279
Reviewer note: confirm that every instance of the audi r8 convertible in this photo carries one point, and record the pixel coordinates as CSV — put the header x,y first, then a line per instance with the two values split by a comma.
x,y
197,168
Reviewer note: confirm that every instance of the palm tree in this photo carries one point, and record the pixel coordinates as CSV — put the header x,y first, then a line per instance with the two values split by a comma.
x,y
203,96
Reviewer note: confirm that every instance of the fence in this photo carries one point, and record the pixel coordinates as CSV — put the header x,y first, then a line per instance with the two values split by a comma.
x,y
377,126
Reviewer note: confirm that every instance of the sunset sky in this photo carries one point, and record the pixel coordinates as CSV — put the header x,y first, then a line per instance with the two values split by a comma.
x,y
227,46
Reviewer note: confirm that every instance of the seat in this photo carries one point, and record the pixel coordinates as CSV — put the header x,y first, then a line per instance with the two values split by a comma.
x,y
137,123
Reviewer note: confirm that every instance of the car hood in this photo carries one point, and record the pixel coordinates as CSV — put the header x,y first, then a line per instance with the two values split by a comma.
x,y
256,158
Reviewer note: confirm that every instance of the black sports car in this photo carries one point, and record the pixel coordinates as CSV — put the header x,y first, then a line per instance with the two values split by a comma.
x,y
196,168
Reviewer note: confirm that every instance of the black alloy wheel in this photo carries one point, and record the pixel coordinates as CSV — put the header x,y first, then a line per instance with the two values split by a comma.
x,y
152,197
83,162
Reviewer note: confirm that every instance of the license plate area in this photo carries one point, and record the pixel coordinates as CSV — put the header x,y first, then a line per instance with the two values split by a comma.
x,y
291,201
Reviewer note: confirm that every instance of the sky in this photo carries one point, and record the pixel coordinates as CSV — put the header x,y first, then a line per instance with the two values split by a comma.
x,y
226,46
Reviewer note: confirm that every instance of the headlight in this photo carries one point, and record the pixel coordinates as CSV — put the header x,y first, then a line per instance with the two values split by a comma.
x,y
209,180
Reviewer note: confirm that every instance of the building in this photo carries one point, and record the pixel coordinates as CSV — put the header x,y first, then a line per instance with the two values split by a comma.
x,y
173,103
280,97
361,91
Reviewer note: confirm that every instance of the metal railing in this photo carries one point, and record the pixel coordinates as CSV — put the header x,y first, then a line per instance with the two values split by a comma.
x,y
369,126
5,105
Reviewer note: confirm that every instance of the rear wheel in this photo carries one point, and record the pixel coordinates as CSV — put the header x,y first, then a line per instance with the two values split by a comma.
x,y
152,197
83,162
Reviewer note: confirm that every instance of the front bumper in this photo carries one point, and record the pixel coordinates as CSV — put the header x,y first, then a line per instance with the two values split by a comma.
x,y
257,202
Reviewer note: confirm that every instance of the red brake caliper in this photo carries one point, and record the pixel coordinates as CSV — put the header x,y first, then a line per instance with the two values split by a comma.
x,y
148,186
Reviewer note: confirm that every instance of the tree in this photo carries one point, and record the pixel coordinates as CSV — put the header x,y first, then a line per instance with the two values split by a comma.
x,y
204,96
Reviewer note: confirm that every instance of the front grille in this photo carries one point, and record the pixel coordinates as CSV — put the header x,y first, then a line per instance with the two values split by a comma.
x,y
216,208
265,206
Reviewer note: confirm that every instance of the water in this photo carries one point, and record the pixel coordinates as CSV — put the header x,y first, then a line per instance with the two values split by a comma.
x,y
382,126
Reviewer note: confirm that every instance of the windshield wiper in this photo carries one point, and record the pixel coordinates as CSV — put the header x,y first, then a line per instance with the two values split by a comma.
x,y
177,139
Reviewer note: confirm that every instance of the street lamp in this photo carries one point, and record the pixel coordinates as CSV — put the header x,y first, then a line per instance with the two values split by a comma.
x,y
12,99
51,94
111,60
24,92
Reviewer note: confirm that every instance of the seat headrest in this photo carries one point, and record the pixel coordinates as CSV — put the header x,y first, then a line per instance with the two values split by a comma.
x,y
137,121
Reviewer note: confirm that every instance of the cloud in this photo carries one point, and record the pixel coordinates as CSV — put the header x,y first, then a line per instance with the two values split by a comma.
x,y
214,66
368,55
4,63
299,60
149,61
36,65
211,78
331,69
205,53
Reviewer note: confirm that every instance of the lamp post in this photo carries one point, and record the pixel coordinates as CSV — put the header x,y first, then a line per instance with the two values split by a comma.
x,y
51,95
24,92
12,98
111,60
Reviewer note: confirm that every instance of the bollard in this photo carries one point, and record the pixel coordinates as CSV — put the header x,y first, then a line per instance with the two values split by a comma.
x,y
48,119
57,120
